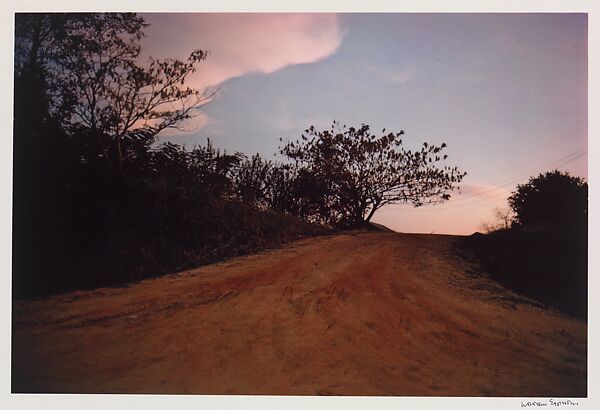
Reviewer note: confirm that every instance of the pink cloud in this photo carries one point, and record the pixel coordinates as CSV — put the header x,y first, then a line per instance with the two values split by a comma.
x,y
241,43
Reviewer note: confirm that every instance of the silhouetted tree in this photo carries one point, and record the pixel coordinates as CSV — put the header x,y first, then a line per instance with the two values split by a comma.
x,y
549,197
98,88
84,108
44,160
346,174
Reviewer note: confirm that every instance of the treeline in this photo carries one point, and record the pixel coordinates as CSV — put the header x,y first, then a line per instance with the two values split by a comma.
x,y
96,200
77,225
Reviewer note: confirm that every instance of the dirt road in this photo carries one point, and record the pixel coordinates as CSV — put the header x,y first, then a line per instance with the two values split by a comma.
x,y
355,314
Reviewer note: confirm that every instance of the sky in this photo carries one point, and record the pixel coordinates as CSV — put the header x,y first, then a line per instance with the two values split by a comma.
x,y
506,92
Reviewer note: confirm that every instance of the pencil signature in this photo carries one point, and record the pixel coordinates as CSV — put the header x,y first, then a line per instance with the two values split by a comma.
x,y
550,402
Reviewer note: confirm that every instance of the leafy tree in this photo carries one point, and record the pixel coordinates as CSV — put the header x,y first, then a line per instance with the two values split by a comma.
x,y
549,197
345,174
97,86
87,110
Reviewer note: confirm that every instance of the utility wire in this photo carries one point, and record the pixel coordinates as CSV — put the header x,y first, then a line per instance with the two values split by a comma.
x,y
566,159
494,194
491,193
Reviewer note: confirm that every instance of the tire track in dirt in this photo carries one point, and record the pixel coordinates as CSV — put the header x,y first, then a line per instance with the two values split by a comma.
x,y
354,314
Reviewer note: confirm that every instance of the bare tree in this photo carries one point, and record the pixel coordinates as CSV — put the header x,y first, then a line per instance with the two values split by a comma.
x,y
503,219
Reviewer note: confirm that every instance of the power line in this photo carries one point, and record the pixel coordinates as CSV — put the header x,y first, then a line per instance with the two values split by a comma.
x,y
495,194
519,177
563,161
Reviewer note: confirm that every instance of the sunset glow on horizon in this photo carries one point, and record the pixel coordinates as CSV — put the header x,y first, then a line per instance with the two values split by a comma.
x,y
506,92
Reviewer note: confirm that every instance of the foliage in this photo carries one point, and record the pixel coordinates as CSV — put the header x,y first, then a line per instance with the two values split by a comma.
x,y
543,252
345,174
267,185
549,197
545,262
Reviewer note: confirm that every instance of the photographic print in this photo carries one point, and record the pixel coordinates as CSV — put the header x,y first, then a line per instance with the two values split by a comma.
x,y
301,204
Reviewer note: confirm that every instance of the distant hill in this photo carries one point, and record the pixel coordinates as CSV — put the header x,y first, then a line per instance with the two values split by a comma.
x,y
380,227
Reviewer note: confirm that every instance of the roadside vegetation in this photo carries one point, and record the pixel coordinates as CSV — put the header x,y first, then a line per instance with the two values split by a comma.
x,y
539,246
98,200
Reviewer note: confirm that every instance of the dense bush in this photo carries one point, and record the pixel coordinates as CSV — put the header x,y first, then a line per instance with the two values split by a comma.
x,y
175,209
549,197
547,262
544,252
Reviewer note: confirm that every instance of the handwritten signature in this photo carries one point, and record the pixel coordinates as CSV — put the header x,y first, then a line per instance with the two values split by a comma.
x,y
550,402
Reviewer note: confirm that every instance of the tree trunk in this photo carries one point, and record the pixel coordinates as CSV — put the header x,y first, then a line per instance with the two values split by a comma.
x,y
375,208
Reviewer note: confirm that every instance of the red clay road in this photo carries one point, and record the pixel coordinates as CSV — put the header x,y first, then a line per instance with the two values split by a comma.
x,y
356,314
